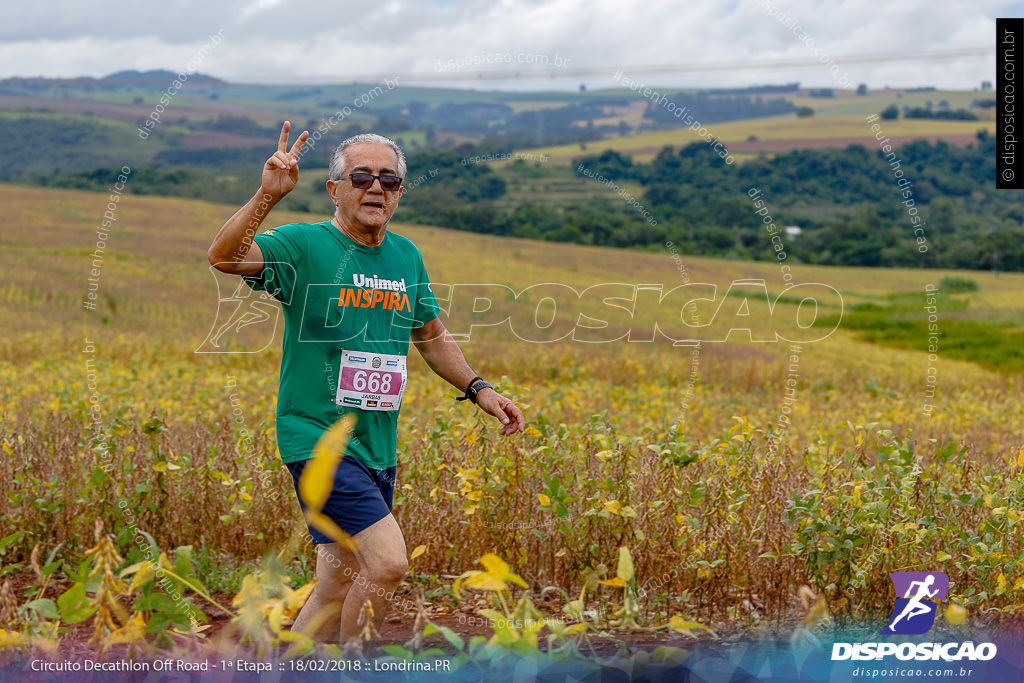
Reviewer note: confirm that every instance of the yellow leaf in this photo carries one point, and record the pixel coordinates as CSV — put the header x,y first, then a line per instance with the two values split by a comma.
x,y
606,455
497,569
419,550
329,527
561,552
458,582
302,645
956,614
318,475
134,629
10,639
531,629
617,582
295,599
533,431
494,615
544,500
613,506
276,617
677,623
164,562
1020,457
495,565
625,568
142,577
486,582
248,592
128,571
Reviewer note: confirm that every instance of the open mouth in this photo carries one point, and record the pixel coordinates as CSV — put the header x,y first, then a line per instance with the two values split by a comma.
x,y
374,205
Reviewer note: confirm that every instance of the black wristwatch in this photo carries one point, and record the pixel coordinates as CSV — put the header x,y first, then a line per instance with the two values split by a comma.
x,y
476,385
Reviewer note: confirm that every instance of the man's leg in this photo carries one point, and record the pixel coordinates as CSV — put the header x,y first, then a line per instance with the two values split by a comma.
x,y
382,562
336,568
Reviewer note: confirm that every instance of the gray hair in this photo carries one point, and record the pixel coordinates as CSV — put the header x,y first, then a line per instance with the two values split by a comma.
x,y
337,169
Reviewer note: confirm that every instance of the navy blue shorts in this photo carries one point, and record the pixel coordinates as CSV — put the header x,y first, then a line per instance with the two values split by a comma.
x,y
359,498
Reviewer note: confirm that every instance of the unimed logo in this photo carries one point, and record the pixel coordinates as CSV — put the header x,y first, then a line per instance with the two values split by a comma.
x,y
915,611
918,595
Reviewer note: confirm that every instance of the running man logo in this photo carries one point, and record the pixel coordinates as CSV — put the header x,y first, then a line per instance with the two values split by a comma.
x,y
246,320
915,611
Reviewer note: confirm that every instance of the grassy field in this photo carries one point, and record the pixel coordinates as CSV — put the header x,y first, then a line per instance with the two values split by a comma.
x,y
846,103
777,134
729,492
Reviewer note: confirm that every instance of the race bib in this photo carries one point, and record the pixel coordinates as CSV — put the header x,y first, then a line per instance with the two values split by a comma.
x,y
371,381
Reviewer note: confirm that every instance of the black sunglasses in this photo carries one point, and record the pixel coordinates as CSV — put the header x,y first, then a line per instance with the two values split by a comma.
x,y
364,181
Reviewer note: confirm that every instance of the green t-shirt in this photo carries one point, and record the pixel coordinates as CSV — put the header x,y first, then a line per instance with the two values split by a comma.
x,y
338,295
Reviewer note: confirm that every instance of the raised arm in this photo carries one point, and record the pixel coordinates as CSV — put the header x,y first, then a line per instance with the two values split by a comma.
x,y
233,249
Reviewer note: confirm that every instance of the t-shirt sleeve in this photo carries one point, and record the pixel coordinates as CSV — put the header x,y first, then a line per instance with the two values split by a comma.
x,y
426,307
282,259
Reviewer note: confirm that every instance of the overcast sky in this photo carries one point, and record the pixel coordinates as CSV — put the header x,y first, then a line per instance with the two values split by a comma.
x,y
316,41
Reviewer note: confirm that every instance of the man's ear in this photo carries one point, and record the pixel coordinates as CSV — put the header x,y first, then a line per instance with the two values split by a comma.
x,y
330,188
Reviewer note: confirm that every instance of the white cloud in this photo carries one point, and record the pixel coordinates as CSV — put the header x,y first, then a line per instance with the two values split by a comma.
x,y
320,41
257,6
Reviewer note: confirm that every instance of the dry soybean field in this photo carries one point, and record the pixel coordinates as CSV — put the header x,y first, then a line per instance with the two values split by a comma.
x,y
733,484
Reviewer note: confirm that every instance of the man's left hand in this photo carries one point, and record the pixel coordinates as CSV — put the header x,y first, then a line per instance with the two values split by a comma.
x,y
501,407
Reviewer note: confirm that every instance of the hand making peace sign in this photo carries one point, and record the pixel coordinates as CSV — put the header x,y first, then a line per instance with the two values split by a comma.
x,y
281,172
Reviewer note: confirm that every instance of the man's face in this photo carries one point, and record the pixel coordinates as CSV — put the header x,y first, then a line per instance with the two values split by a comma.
x,y
372,207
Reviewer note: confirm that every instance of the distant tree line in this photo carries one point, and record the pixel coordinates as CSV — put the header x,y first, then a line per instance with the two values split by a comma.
x,y
948,114
718,108
845,201
892,112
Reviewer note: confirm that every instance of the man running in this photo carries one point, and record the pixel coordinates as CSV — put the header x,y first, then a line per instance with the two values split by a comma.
x,y
914,606
353,294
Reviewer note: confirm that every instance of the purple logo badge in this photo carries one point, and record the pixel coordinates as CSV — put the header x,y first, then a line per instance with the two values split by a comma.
x,y
917,601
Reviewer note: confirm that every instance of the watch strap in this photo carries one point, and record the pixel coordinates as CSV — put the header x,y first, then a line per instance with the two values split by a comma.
x,y
474,387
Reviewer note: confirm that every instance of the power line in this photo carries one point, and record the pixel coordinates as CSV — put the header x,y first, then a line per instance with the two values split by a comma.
x,y
514,74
